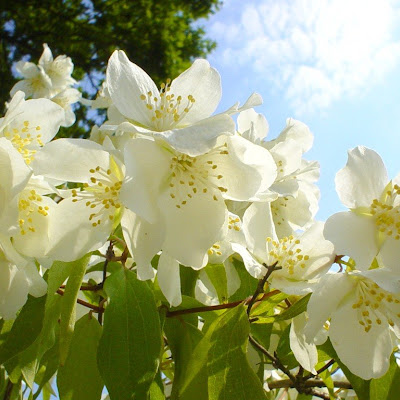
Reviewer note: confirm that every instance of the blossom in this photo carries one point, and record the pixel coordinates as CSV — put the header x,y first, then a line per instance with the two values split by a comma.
x,y
18,278
296,195
372,225
185,195
179,113
29,124
46,79
364,312
88,214
302,258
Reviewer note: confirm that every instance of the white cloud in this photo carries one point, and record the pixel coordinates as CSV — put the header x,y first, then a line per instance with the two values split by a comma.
x,y
317,51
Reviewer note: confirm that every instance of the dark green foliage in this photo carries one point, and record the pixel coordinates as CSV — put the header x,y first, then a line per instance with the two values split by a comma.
x,y
159,36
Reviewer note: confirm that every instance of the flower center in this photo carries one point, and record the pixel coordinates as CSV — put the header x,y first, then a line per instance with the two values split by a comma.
x,y
101,195
287,253
30,208
374,303
215,249
387,216
167,110
24,138
234,223
191,176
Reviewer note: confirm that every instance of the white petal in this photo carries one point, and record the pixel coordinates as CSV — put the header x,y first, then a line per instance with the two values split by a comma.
x,y
70,159
198,138
327,295
252,126
44,118
366,354
354,236
204,84
258,225
14,290
385,278
126,82
147,166
144,240
306,353
71,233
194,227
362,179
247,171
253,267
169,279
390,254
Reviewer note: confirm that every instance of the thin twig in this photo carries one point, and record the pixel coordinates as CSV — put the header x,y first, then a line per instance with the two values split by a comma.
x,y
287,383
97,309
218,306
261,283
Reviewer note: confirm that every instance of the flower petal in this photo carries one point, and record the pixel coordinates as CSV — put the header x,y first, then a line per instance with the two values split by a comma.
x,y
362,180
194,227
169,279
144,240
203,83
327,295
147,166
366,354
70,159
126,82
354,236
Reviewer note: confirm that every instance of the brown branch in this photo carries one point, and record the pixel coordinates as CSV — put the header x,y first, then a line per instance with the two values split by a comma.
x,y
287,383
261,283
93,288
294,381
218,306
85,303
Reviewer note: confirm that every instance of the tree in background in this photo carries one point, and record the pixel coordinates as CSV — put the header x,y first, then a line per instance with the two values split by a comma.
x,y
162,37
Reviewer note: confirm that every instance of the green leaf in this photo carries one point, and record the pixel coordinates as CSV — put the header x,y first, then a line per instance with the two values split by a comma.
x,y
25,329
229,373
131,342
388,386
68,304
248,284
48,367
156,391
217,275
266,307
294,310
182,339
360,386
29,360
188,280
284,351
79,378
219,368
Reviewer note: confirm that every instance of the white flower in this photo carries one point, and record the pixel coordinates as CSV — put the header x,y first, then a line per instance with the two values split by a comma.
x,y
46,79
28,125
372,225
84,220
296,196
185,195
18,278
179,113
364,312
65,99
302,257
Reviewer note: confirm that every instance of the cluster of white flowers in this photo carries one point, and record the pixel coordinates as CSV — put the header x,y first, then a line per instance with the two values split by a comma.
x,y
197,188
50,79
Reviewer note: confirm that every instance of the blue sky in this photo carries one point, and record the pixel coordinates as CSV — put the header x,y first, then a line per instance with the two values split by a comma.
x,y
333,64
